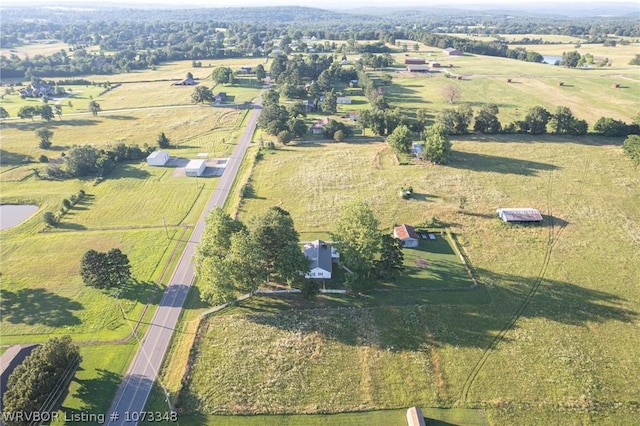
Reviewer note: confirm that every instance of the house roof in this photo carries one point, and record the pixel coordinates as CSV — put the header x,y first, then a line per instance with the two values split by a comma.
x,y
405,231
319,254
519,215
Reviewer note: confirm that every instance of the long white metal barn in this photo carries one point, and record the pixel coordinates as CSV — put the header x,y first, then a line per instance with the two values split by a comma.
x,y
523,214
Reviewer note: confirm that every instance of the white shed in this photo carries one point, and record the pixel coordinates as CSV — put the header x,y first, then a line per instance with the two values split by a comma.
x,y
407,235
158,158
343,100
195,167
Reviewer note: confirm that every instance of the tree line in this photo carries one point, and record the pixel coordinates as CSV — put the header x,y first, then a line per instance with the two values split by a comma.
x,y
37,384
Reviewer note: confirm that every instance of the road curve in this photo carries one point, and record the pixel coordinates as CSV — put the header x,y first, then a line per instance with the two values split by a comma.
x,y
131,397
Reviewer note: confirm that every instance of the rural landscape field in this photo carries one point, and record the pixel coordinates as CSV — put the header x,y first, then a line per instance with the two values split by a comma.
x,y
483,323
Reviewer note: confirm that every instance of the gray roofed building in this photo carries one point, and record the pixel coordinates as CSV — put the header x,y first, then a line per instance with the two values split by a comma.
x,y
320,260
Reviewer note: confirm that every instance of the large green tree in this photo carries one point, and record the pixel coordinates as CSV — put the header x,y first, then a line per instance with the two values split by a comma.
x,y
537,119
261,74
357,238
94,107
163,141
391,261
44,136
201,94
330,103
400,139
105,270
47,369
437,147
240,270
275,233
456,120
222,75
486,120
46,112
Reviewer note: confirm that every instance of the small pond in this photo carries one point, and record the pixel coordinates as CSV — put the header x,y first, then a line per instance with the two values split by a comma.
x,y
551,59
14,214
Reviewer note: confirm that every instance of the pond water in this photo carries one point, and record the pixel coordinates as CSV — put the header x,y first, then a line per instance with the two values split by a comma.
x,y
551,59
14,214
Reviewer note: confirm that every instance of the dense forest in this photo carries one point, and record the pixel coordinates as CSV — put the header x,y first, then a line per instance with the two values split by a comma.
x,y
108,41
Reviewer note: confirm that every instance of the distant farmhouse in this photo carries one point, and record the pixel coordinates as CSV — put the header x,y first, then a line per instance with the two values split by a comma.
x,y
343,100
519,215
450,51
407,235
318,127
321,258
38,90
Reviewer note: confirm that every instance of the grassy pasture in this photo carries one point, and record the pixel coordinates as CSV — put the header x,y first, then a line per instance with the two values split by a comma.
x,y
570,284
79,96
42,291
587,92
33,49
191,130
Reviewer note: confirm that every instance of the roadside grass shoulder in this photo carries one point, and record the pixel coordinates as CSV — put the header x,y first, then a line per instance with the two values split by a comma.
x,y
96,381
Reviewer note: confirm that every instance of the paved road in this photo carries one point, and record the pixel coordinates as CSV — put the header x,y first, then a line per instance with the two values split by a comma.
x,y
136,386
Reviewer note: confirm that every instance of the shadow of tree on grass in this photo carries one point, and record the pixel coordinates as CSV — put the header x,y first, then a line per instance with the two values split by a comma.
x,y
401,326
492,163
95,393
38,306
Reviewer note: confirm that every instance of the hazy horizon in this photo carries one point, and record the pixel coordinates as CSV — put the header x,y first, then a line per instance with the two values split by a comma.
x,y
326,4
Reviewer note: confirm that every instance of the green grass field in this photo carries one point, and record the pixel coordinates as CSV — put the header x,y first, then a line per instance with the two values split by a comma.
x,y
550,333
554,340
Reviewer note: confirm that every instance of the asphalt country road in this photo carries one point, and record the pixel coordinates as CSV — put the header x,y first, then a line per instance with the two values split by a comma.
x,y
131,397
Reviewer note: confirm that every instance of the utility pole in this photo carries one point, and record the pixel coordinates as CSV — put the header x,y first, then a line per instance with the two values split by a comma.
x,y
164,222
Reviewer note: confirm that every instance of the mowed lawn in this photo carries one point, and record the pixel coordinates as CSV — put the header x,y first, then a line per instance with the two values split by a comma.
x,y
432,265
556,341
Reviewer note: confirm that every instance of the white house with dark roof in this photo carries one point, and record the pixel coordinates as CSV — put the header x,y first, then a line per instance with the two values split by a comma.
x,y
320,255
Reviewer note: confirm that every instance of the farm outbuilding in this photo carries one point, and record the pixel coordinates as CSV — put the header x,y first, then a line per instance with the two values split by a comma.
x,y
418,68
344,100
195,167
158,158
519,215
407,235
414,61
452,52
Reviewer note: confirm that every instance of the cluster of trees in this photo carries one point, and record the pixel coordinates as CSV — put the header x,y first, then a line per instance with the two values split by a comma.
x,y
279,121
138,39
364,250
105,270
233,259
39,381
45,111
85,160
